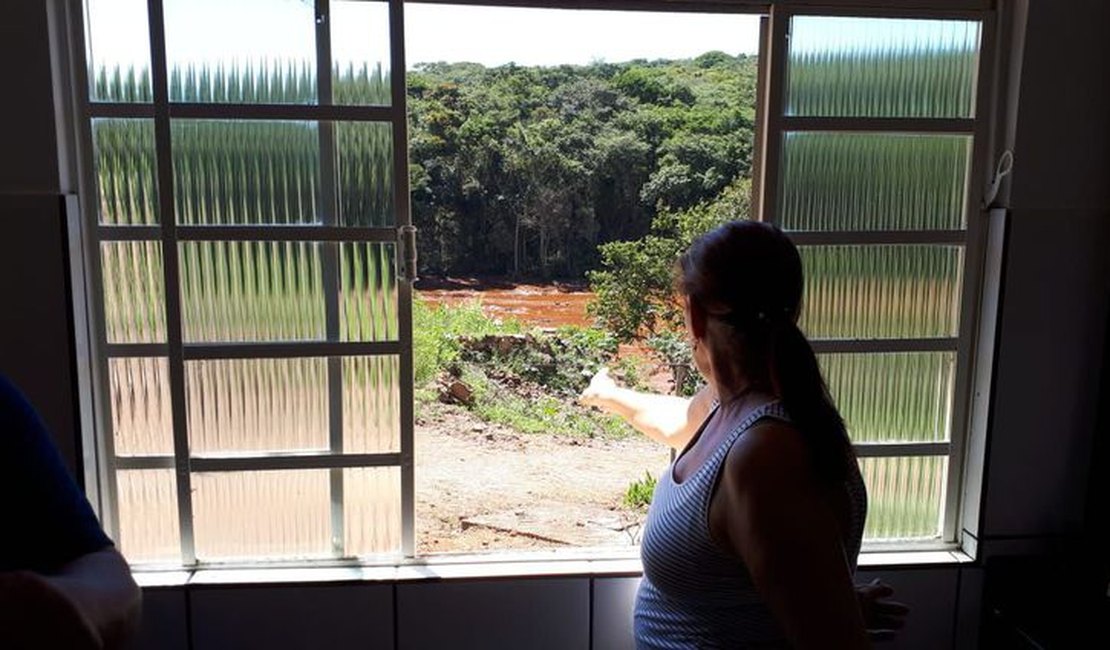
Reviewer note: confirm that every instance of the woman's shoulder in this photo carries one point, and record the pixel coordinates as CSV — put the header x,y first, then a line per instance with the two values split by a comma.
x,y
770,451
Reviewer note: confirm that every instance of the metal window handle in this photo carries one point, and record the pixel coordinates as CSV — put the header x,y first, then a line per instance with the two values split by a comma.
x,y
406,236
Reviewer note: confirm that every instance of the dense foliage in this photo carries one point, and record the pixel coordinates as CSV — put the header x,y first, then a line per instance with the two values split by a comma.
x,y
527,170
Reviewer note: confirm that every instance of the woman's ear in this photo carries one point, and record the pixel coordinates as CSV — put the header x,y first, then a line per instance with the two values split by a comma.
x,y
697,319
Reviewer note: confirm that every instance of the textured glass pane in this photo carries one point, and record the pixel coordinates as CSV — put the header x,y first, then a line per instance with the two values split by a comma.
x,y
257,405
371,405
853,181
368,304
245,172
117,48
881,67
904,496
148,525
262,515
251,291
241,51
140,392
133,291
360,52
125,171
372,510
365,164
893,397
862,292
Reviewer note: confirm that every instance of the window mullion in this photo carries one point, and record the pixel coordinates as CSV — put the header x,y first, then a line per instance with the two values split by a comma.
x,y
403,219
100,471
163,152
773,106
974,270
329,216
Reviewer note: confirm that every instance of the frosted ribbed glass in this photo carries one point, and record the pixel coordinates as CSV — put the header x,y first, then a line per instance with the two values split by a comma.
x,y
251,291
360,52
372,511
117,49
148,524
125,171
368,286
905,496
854,181
861,292
893,397
212,59
134,293
269,514
371,405
364,161
142,424
257,405
881,67
246,172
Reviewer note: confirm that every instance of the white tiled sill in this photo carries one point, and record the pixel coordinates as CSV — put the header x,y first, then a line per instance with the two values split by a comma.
x,y
476,567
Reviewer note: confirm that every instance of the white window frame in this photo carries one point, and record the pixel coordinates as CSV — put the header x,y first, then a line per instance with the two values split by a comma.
x,y
161,110
772,123
775,123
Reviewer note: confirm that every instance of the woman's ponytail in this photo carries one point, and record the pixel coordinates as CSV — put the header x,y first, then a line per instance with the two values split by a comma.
x,y
796,378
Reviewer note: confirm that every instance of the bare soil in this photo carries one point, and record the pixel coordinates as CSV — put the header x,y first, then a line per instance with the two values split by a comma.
x,y
483,486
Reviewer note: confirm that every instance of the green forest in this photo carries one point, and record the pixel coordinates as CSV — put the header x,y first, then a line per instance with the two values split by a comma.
x,y
525,171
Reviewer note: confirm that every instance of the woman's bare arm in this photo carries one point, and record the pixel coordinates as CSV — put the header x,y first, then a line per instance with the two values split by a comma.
x,y
780,525
667,419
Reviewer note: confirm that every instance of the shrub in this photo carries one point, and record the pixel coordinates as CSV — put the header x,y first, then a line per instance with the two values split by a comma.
x,y
635,284
561,362
437,331
673,348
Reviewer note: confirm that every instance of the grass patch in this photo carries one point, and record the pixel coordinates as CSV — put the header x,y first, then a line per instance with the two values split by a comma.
x,y
639,492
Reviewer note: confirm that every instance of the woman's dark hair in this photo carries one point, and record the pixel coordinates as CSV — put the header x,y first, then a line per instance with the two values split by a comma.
x,y
748,276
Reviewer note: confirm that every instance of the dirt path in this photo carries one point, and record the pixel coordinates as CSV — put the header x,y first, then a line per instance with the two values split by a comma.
x,y
482,486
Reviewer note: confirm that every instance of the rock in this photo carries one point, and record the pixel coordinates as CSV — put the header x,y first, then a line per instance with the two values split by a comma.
x,y
455,391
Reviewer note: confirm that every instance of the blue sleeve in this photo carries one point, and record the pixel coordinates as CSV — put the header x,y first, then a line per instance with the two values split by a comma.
x,y
47,520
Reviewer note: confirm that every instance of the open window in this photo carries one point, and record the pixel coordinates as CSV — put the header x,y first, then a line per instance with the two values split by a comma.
x,y
269,381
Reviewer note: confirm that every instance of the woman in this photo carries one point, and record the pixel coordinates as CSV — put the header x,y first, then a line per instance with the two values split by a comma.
x,y
754,530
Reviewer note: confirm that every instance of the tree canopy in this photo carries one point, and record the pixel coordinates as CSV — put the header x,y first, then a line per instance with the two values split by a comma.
x,y
530,171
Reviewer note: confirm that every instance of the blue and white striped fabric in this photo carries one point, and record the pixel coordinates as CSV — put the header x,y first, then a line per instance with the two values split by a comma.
x,y
694,594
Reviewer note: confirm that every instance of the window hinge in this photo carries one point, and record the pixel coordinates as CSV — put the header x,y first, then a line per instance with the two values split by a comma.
x,y
406,236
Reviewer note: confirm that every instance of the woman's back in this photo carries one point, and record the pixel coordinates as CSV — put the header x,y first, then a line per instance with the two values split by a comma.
x,y
695,593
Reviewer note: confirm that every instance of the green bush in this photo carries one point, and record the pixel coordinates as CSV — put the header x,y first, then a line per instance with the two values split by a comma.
x,y
500,404
674,350
561,362
437,330
634,287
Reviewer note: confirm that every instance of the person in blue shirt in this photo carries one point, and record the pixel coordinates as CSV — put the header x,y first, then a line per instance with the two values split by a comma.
x,y
63,584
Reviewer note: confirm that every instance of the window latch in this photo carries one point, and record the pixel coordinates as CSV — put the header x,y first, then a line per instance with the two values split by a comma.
x,y
406,236
1005,166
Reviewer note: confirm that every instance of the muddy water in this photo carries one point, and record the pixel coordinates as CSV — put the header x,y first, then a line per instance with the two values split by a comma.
x,y
539,305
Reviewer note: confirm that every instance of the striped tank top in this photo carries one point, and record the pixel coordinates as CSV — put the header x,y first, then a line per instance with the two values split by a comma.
x,y
694,594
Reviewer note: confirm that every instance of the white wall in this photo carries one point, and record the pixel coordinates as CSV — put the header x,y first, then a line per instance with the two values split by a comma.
x,y
1052,323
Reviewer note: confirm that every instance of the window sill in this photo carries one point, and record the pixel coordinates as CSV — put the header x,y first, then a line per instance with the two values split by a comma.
x,y
480,567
